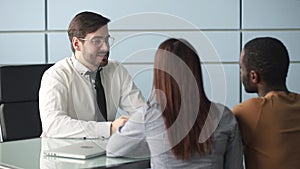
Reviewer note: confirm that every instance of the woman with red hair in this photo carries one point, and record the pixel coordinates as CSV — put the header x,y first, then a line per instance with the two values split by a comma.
x,y
180,126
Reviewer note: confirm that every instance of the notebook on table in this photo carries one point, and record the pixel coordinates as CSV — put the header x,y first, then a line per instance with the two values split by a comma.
x,y
82,150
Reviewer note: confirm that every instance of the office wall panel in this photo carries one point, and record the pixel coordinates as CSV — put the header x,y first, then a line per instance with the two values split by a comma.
x,y
291,40
142,75
293,82
132,14
221,82
226,44
140,46
22,48
22,15
136,46
275,14
59,46
212,46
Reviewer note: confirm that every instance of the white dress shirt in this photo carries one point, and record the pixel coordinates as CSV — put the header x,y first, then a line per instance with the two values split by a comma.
x,y
67,99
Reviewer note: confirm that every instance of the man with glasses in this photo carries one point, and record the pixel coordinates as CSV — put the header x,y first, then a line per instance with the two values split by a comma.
x,y
68,101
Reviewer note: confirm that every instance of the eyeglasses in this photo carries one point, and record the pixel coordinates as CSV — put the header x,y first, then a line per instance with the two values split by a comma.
x,y
98,41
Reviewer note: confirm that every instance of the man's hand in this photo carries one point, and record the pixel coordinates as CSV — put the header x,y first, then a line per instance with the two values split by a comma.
x,y
118,123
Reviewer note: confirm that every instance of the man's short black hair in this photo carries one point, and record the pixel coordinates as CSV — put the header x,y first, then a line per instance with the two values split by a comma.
x,y
269,57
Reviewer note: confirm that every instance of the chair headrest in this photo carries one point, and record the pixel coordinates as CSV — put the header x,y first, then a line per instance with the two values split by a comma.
x,y
21,82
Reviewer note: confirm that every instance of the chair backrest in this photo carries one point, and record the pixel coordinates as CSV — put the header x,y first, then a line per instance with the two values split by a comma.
x,y
19,111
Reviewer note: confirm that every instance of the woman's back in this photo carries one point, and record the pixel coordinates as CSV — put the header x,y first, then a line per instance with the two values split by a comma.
x,y
226,142
146,129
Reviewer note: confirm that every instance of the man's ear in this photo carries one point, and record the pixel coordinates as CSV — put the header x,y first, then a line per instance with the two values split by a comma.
x,y
76,43
254,77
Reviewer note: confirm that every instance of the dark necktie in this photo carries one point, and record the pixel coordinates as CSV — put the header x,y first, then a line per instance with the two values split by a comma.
x,y
100,95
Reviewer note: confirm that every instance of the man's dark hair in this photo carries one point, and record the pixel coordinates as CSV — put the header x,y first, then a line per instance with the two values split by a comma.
x,y
85,23
269,57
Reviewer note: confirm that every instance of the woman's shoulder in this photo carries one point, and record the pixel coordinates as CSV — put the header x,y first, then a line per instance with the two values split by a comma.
x,y
223,116
222,110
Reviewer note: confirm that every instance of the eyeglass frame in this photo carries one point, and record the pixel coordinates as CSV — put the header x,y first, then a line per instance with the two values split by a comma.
x,y
108,40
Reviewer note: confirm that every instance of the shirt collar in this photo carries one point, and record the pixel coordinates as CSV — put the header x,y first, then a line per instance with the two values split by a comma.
x,y
80,68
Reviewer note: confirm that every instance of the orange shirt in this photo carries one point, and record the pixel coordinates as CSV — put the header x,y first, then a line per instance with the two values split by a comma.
x,y
270,129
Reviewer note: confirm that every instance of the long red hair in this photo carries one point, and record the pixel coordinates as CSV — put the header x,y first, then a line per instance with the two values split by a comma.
x,y
176,68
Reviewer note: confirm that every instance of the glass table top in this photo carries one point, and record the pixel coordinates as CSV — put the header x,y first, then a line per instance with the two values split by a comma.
x,y
29,154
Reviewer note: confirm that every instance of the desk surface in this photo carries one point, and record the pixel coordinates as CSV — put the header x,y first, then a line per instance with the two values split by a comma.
x,y
28,154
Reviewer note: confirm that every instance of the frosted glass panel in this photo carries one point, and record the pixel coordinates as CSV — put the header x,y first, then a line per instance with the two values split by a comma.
x,y
59,47
22,48
291,40
226,44
221,83
270,14
293,80
141,46
142,75
135,47
22,15
134,14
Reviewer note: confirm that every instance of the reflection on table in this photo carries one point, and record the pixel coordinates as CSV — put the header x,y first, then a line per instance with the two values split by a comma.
x,y
29,154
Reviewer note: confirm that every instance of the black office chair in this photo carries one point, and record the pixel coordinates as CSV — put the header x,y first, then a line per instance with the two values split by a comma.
x,y
19,111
